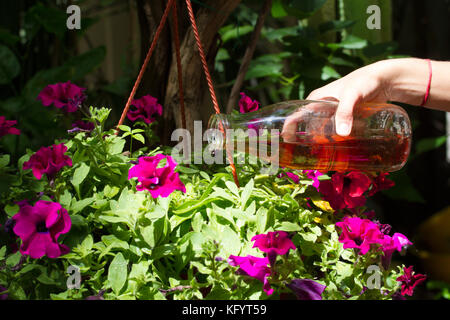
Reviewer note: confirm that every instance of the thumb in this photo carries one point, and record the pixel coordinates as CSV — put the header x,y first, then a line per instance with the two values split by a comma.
x,y
344,114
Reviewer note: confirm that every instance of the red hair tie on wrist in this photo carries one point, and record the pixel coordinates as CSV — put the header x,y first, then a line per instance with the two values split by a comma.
x,y
427,93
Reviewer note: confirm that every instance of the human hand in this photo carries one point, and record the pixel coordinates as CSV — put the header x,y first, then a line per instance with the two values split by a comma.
x,y
402,80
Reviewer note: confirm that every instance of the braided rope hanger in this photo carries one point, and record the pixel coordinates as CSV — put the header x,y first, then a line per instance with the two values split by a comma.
x,y
171,5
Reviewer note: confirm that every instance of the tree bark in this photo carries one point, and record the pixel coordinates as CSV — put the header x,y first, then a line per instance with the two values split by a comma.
x,y
161,78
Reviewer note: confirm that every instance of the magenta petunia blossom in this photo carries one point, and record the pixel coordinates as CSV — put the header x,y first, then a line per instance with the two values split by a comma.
x,y
307,289
246,104
146,108
48,160
295,178
7,127
253,267
159,181
3,296
81,126
359,233
381,182
390,244
277,242
410,280
66,96
313,175
345,191
39,227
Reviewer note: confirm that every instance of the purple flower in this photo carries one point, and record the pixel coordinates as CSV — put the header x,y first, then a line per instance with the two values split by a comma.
x,y
3,296
246,104
6,127
273,243
359,233
48,160
39,227
253,267
158,181
313,175
389,244
146,108
81,126
295,178
306,289
410,280
99,296
380,183
66,96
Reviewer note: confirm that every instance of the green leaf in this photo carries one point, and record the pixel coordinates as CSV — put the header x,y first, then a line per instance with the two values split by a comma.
x,y
77,206
186,170
2,252
232,187
80,174
117,273
193,205
52,19
13,259
261,220
380,49
8,38
164,250
230,241
248,189
278,9
350,42
329,72
139,137
125,128
4,160
9,65
82,65
288,226
429,144
87,244
335,25
11,209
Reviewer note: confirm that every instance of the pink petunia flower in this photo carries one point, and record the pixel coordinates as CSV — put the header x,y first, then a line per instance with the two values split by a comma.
x,y
39,227
313,175
277,242
146,108
246,104
307,289
6,127
66,96
295,178
359,233
380,183
410,280
390,244
158,181
48,160
253,267
345,191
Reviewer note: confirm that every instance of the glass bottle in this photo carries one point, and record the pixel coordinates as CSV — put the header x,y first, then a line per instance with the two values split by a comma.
x,y
301,134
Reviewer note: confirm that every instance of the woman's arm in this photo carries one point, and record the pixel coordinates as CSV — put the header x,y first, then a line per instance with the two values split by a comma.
x,y
402,80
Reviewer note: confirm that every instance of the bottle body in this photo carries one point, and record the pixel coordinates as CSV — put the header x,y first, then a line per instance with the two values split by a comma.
x,y
301,134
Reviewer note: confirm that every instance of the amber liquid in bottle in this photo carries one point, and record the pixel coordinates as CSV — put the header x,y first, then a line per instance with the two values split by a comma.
x,y
336,153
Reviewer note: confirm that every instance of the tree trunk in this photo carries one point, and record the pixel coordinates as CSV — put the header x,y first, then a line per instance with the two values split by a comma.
x,y
161,78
